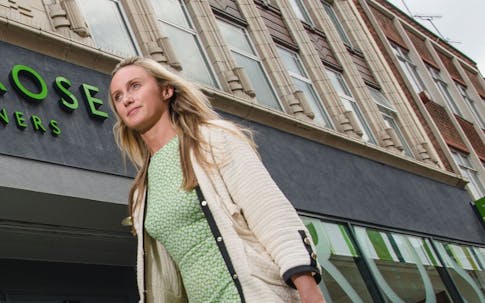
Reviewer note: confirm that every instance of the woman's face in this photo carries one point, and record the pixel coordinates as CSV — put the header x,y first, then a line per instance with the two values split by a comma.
x,y
138,99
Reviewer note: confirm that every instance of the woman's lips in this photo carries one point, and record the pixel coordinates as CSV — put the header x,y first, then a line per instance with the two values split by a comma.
x,y
132,111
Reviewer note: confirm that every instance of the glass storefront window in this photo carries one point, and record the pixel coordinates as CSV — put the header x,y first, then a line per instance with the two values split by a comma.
x,y
337,255
404,267
466,267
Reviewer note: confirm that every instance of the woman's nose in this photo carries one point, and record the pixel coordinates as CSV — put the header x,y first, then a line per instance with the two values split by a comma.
x,y
128,99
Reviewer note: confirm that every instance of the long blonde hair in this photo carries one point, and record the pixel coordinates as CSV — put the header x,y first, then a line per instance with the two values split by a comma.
x,y
189,109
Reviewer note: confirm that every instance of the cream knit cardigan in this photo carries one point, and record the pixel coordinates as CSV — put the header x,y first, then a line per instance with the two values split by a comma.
x,y
266,241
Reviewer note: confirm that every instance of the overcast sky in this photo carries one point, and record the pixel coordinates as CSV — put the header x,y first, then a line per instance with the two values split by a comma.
x,y
461,22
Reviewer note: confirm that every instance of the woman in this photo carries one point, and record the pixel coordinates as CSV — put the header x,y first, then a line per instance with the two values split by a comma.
x,y
204,208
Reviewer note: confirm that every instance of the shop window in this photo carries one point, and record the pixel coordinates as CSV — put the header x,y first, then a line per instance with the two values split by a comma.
x,y
475,187
301,81
301,11
338,257
336,22
409,68
465,265
246,57
472,105
389,114
109,26
350,104
444,90
405,268
175,23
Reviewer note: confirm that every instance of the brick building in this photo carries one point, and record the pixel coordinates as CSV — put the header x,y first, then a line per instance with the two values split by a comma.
x,y
371,162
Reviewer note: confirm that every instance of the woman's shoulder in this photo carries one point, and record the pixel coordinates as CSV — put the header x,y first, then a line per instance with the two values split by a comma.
x,y
219,129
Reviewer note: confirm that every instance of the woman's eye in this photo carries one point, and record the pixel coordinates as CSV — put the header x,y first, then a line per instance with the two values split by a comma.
x,y
135,85
117,97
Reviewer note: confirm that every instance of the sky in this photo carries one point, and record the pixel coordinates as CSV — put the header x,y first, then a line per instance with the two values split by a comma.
x,y
459,21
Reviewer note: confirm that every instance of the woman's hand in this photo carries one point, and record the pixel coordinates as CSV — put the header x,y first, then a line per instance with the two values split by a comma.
x,y
308,288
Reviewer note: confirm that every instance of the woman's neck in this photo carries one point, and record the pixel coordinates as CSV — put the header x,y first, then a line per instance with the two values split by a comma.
x,y
159,135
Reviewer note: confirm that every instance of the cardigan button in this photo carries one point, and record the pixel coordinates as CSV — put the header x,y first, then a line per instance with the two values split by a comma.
x,y
219,239
234,276
313,255
203,203
307,241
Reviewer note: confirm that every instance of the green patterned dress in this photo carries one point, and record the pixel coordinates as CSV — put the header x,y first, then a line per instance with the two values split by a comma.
x,y
175,219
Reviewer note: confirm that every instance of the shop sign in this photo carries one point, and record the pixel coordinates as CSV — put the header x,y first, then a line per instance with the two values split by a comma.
x,y
23,78
480,206
55,111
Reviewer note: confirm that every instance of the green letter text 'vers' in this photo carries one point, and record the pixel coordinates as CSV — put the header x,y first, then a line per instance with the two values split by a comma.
x,y
89,91
4,116
20,120
30,73
55,130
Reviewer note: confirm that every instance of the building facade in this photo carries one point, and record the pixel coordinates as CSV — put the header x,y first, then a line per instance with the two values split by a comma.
x,y
371,163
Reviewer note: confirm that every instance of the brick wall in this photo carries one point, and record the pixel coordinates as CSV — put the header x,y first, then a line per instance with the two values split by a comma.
x,y
276,25
444,124
403,86
473,136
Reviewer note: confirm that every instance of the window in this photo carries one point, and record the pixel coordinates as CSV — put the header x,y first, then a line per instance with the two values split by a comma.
x,y
245,55
475,186
389,114
349,103
109,27
405,268
471,104
302,82
300,11
443,88
338,257
408,68
466,267
363,264
175,23
336,22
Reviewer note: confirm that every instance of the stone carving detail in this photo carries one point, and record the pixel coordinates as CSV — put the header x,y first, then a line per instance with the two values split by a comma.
x,y
155,51
244,81
295,107
59,17
391,141
75,17
21,6
169,53
350,126
234,84
425,154
300,96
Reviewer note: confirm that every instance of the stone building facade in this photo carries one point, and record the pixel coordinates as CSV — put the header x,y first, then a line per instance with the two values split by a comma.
x,y
370,162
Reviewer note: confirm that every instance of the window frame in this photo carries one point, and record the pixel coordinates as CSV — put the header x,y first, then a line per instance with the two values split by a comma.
x,y
353,102
471,104
337,23
467,170
300,10
409,68
443,88
388,111
305,78
127,26
191,31
255,57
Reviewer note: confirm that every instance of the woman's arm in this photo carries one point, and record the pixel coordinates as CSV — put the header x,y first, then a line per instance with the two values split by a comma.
x,y
269,214
308,289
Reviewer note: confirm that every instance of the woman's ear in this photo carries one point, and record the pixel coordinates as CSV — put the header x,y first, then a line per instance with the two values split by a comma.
x,y
167,93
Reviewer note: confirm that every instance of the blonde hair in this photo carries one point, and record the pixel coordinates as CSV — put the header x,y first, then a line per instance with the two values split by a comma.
x,y
189,109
